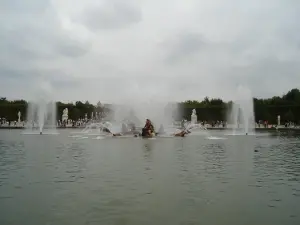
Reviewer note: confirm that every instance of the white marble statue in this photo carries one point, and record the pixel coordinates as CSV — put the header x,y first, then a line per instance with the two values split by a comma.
x,y
65,115
278,120
194,117
86,116
19,117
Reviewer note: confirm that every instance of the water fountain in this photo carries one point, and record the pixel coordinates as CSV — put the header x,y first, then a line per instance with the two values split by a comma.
x,y
242,113
194,126
160,113
126,115
41,113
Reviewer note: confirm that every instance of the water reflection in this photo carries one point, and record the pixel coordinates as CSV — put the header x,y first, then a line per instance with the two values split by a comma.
x,y
126,181
148,150
148,146
277,166
12,158
214,158
70,162
283,159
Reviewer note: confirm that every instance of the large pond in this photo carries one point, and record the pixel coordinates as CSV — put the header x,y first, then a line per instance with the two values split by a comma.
x,y
65,180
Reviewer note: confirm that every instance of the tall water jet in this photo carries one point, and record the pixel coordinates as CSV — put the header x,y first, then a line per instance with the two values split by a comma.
x,y
145,103
160,113
242,112
41,112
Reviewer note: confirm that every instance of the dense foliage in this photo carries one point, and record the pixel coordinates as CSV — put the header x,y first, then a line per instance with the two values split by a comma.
x,y
77,110
287,106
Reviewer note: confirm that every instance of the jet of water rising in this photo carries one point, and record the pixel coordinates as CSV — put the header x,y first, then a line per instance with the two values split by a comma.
x,y
41,111
242,112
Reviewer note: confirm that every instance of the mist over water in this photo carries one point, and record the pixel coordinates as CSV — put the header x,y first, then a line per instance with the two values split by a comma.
x,y
159,112
41,111
241,114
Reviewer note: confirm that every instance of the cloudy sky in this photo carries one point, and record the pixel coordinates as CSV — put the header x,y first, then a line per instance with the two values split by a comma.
x,y
121,50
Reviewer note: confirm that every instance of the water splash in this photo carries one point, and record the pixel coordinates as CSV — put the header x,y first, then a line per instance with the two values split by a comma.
x,y
41,112
160,113
242,113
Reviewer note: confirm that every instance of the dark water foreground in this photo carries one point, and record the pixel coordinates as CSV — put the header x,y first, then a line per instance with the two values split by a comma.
x,y
65,181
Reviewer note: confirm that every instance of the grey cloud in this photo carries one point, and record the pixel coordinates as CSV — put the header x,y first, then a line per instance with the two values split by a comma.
x,y
24,82
22,44
265,77
290,34
111,15
8,73
262,65
183,45
30,32
62,81
257,46
32,74
71,48
194,47
21,6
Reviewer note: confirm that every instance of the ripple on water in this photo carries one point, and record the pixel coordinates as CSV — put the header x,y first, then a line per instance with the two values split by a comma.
x,y
119,182
5,197
12,159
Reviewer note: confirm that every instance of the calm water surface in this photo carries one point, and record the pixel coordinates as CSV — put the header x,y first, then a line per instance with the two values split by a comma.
x,y
61,180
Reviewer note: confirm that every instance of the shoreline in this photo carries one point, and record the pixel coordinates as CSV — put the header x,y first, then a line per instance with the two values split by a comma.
x,y
208,128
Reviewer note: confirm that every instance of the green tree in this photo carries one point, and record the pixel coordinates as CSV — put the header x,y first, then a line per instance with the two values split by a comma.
x,y
289,116
287,105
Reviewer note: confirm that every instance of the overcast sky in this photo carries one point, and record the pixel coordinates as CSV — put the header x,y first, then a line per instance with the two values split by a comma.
x,y
121,50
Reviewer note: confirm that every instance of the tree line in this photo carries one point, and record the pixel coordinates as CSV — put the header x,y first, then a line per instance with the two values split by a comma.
x,y
287,106
76,111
